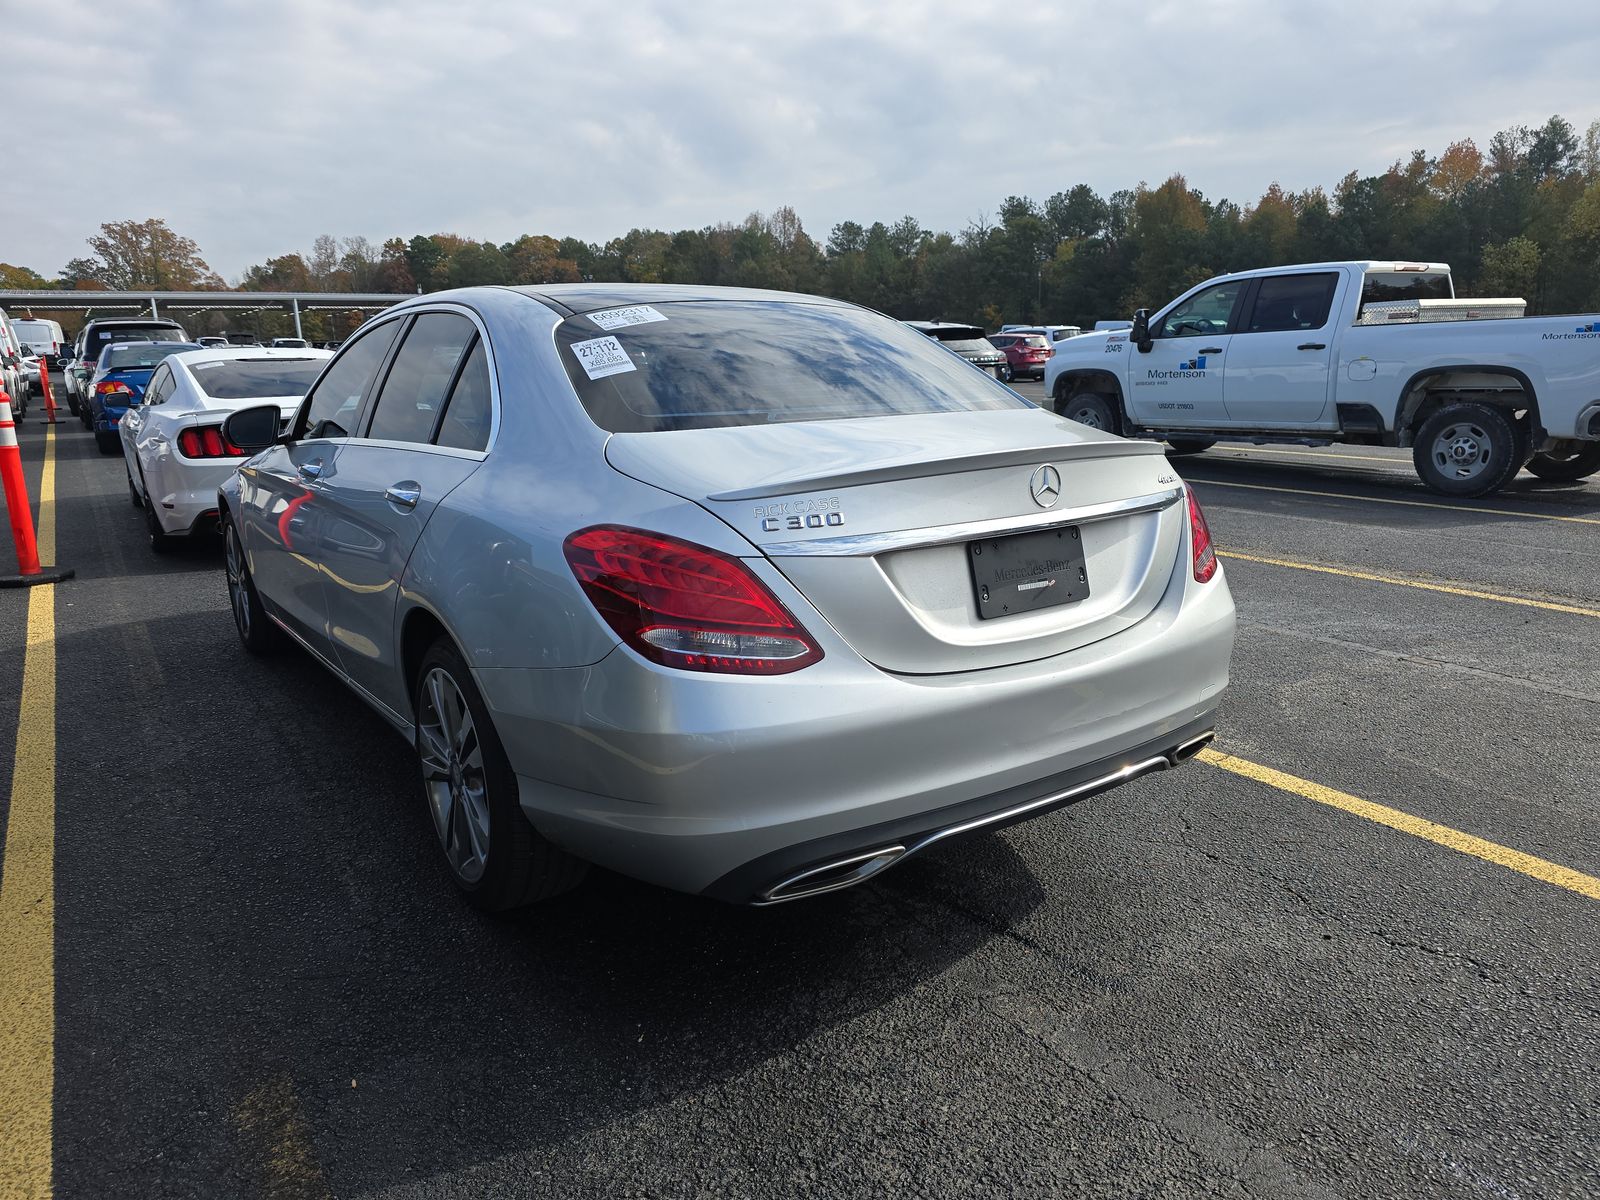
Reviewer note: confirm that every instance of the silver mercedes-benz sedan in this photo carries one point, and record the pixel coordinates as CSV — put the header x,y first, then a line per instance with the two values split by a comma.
x,y
744,593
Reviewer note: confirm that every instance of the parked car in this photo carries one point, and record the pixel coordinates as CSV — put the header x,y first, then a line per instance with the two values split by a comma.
x,y
118,384
11,367
210,340
32,365
966,340
96,336
1051,333
1026,354
1365,352
290,343
40,337
757,631
172,441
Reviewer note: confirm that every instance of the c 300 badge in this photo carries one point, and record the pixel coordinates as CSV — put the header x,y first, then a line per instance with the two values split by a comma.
x,y
799,515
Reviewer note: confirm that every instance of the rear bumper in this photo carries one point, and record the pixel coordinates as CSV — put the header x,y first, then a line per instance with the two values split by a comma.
x,y
185,496
723,785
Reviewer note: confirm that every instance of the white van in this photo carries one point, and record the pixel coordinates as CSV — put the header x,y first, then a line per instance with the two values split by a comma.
x,y
43,338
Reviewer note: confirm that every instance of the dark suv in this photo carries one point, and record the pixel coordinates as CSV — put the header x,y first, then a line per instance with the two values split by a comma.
x,y
96,336
967,341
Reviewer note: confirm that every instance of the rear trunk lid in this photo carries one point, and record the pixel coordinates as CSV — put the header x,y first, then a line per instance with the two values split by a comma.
x,y
876,521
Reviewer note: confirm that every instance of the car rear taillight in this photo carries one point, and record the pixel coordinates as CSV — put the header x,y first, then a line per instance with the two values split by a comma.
x,y
687,606
206,441
112,388
1205,555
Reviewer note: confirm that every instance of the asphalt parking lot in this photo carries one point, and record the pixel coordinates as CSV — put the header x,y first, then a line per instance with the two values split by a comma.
x,y
1350,955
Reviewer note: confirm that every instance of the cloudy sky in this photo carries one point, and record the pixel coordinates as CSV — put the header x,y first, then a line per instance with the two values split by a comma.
x,y
253,126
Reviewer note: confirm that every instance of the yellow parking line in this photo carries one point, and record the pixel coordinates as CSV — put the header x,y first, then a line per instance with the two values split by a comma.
x,y
1494,512
1397,461
27,895
1447,589
1443,835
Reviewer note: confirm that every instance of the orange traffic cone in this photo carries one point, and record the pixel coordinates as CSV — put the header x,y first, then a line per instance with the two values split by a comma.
x,y
19,510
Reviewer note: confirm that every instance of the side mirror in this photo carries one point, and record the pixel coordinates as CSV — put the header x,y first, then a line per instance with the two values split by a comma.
x,y
1139,335
253,429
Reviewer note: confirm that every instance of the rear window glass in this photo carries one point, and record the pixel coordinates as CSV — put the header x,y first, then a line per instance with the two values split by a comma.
x,y
715,364
1380,286
141,354
257,378
99,339
1036,343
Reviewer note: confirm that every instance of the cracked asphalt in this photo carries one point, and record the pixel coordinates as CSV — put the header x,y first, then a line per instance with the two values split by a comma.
x,y
1196,985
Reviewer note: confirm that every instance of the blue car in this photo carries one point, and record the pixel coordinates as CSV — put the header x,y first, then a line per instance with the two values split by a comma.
x,y
118,383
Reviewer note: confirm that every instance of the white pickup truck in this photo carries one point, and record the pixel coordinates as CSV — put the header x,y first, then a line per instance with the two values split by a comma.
x,y
1376,353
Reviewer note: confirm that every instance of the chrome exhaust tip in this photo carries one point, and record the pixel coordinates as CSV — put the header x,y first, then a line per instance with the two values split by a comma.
x,y
831,877
1187,750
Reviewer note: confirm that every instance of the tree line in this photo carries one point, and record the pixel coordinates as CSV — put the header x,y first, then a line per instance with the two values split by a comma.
x,y
1520,218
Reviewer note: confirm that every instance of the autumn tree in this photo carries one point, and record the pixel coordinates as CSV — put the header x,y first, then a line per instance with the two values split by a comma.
x,y
148,254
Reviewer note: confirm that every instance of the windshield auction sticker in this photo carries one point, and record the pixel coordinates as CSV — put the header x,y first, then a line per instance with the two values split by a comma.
x,y
621,318
600,357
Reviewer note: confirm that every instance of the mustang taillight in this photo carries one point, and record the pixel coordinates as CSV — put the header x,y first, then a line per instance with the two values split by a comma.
x,y
1205,555
206,441
687,606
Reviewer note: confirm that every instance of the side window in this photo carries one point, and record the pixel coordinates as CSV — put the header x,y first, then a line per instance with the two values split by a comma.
x,y
413,396
470,412
160,385
1204,314
331,409
1292,302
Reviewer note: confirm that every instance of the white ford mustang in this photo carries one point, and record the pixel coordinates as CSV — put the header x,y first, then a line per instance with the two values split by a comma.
x,y
172,442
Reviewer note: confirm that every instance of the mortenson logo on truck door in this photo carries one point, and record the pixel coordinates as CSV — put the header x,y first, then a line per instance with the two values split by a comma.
x,y
1194,368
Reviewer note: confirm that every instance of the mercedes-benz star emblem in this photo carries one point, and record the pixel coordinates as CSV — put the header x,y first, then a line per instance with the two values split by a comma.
x,y
1045,486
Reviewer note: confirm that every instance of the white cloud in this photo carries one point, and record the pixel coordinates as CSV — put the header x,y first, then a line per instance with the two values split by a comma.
x,y
253,127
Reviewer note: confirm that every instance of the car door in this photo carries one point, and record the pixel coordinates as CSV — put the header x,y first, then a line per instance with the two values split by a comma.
x,y
1280,358
137,428
280,489
425,434
1178,382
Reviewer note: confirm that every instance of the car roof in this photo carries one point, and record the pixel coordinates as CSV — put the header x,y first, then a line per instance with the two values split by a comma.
x,y
588,297
211,354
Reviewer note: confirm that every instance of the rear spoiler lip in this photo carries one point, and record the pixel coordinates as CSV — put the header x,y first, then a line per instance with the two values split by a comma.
x,y
1030,456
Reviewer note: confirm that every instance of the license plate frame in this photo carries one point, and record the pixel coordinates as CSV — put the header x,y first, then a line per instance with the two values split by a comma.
x,y
1025,572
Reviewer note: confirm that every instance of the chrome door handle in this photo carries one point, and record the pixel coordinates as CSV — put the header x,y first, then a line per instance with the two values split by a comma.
x,y
310,470
405,494
1211,350
1312,346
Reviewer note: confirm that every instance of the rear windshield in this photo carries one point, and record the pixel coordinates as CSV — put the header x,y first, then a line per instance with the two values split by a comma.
x,y
138,355
1379,286
1036,343
100,338
721,363
33,333
257,378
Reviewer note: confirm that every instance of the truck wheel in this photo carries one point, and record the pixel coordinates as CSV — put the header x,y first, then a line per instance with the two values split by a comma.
x,y
1565,466
1468,450
1093,409
1190,445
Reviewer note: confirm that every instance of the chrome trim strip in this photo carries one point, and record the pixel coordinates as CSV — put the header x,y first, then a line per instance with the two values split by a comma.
x,y
871,863
864,544
1122,775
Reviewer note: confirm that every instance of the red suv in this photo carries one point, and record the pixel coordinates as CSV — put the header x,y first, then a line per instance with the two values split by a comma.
x,y
1026,354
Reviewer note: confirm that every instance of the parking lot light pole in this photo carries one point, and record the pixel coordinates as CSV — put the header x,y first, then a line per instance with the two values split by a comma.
x,y
297,333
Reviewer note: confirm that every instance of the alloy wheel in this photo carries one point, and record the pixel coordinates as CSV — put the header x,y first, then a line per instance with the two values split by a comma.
x,y
453,775
1462,450
238,582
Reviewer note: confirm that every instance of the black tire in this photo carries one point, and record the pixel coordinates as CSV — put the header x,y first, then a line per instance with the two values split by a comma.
x,y
1189,445
519,867
133,491
1094,409
1564,468
72,400
160,540
1468,450
256,630
108,441
1007,375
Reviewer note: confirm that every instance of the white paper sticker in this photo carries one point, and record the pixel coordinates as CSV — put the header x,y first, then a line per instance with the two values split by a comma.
x,y
205,366
600,357
619,318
